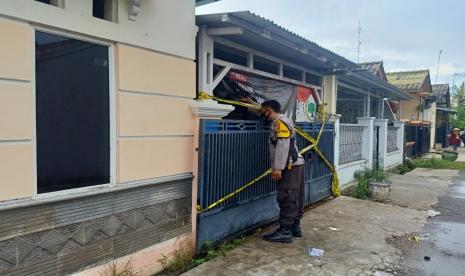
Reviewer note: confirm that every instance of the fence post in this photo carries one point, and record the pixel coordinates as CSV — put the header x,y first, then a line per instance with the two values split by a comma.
x,y
202,109
400,137
367,146
383,130
337,141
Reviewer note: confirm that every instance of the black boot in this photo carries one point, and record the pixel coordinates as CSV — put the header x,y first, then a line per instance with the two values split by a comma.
x,y
296,230
282,234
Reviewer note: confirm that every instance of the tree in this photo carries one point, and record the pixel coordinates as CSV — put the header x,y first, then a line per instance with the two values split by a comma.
x,y
458,120
458,98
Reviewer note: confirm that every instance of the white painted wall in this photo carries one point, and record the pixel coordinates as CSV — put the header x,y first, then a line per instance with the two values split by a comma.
x,y
346,171
166,26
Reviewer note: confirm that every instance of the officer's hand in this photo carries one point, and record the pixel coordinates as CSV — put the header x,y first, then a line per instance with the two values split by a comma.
x,y
276,175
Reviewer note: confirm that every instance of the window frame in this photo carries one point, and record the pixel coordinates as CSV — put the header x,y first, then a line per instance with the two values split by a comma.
x,y
112,112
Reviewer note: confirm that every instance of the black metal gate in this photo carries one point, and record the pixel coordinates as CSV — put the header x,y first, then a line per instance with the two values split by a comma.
x,y
231,153
417,139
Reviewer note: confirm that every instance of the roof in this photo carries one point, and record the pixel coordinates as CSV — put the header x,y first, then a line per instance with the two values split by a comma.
x,y
270,38
375,67
440,89
204,2
408,80
263,28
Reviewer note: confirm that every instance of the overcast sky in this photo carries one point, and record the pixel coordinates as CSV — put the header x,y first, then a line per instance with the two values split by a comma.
x,y
405,34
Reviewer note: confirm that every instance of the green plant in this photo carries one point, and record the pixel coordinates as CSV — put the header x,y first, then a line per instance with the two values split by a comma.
x,y
364,178
114,269
180,260
406,167
436,163
209,251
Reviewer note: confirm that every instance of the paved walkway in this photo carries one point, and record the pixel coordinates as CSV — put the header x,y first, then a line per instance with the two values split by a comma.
x,y
442,239
360,242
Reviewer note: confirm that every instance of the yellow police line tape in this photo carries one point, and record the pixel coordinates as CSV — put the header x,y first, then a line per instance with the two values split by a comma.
x,y
335,190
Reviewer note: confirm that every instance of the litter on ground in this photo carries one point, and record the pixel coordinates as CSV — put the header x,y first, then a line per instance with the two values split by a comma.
x,y
316,252
432,213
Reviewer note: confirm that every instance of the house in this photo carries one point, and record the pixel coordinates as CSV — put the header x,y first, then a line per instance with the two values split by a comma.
x,y
241,54
96,133
375,67
421,109
443,110
389,108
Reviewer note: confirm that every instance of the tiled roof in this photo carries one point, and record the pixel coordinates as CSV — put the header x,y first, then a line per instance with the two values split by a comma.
x,y
375,67
440,89
372,66
408,80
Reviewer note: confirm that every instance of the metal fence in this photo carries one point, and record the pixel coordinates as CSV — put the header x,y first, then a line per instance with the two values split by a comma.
x,y
351,140
392,139
232,153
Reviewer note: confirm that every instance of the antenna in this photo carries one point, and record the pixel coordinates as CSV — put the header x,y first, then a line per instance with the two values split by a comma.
x,y
359,42
437,69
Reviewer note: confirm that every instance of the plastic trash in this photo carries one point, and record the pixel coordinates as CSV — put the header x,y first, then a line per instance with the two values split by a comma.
x,y
316,252
382,273
414,239
432,213
334,229
427,258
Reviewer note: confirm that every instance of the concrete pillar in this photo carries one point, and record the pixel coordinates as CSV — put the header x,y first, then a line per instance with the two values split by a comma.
x,y
433,125
383,130
400,136
367,144
337,141
205,60
368,106
202,109
330,93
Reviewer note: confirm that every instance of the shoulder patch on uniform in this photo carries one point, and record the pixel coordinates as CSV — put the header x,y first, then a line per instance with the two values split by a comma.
x,y
282,131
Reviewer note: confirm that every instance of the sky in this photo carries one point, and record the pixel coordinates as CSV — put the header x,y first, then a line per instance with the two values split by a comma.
x,y
405,34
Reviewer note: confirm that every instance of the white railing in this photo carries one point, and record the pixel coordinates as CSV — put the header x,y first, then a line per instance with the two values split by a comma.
x,y
351,143
392,139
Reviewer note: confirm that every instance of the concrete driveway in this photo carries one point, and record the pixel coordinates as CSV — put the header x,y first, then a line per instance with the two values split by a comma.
x,y
364,239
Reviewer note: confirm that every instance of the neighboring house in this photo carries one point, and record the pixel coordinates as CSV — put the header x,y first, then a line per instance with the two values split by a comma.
x,y
375,67
367,96
96,133
443,110
389,107
422,108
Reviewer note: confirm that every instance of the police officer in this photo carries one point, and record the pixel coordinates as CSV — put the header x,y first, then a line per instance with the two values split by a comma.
x,y
288,169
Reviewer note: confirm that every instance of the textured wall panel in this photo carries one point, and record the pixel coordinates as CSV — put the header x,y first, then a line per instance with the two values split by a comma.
x,y
16,171
16,111
16,50
148,158
64,237
146,71
145,115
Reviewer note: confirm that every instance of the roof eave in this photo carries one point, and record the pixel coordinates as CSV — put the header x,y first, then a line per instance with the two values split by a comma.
x,y
199,3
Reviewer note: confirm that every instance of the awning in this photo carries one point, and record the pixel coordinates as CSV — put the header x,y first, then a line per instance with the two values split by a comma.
x,y
446,110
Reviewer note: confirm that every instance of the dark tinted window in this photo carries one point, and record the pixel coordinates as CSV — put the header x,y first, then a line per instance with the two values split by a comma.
x,y
292,73
265,65
98,9
230,54
72,113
